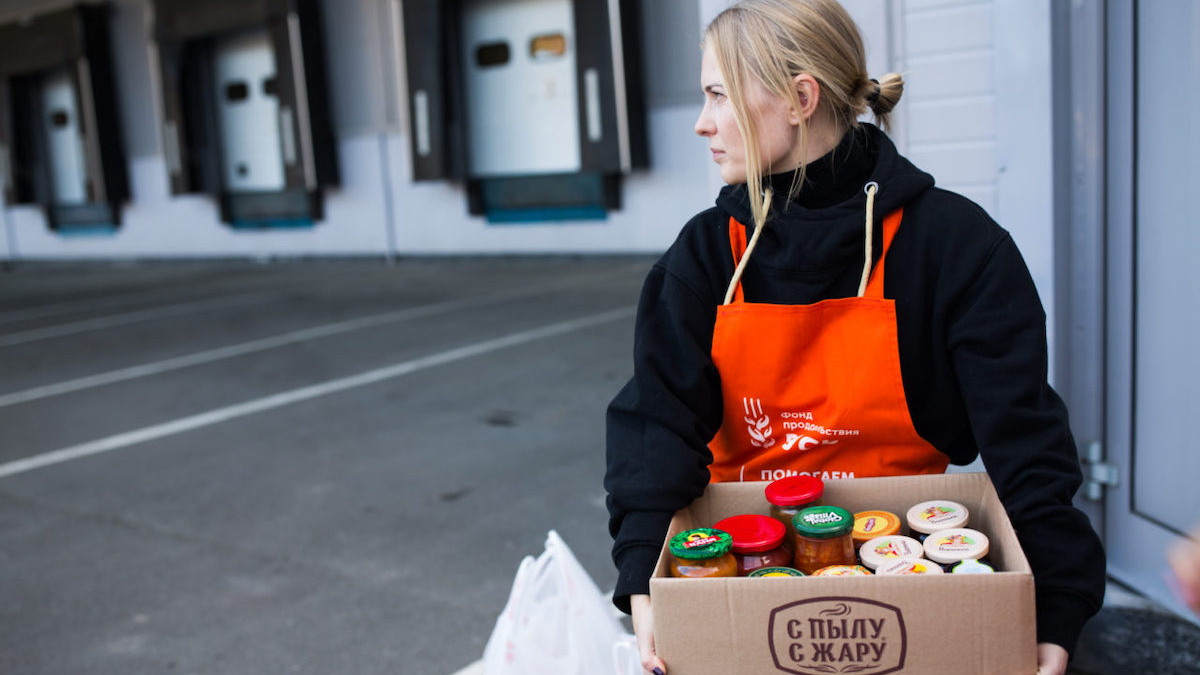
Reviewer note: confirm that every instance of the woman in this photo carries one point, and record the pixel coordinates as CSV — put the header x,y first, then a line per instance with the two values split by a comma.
x,y
777,300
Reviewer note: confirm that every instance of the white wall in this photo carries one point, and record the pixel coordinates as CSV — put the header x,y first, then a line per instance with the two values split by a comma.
x,y
975,113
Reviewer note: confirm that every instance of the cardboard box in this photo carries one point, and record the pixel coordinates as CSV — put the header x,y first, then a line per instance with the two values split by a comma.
x,y
939,625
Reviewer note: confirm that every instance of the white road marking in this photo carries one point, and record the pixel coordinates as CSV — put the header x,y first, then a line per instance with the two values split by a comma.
x,y
74,327
105,302
281,340
219,415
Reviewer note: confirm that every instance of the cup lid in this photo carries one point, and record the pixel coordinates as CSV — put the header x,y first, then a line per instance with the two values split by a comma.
x,y
700,544
909,566
936,515
953,545
794,490
843,571
871,524
972,567
776,572
882,550
753,533
823,522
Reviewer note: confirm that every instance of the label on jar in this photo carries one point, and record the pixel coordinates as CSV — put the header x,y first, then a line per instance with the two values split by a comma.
x,y
882,550
823,521
776,572
957,544
843,571
908,566
937,515
700,543
869,524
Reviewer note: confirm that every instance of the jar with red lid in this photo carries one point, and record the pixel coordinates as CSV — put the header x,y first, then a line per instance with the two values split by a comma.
x,y
791,495
757,542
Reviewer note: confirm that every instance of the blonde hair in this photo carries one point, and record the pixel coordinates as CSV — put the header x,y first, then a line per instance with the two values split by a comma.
x,y
770,42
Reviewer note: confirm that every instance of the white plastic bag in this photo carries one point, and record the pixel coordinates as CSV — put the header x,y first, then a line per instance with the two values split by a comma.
x,y
556,622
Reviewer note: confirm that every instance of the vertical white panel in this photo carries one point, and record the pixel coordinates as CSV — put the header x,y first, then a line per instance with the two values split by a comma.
x,y
1167,284
249,114
1024,145
522,99
61,125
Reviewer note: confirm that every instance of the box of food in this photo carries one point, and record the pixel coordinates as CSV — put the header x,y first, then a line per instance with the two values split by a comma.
x,y
949,624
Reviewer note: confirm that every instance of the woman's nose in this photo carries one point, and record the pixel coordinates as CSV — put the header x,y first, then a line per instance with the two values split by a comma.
x,y
704,125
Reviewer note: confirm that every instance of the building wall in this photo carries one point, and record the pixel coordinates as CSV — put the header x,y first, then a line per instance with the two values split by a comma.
x,y
976,113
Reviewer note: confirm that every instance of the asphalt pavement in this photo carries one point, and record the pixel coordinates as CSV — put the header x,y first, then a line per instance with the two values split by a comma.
x,y
321,466
324,467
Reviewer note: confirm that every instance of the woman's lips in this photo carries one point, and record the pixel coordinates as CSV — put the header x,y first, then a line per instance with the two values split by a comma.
x,y
717,154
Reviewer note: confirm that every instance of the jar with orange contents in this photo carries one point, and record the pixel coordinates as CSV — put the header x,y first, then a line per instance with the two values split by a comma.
x,y
822,538
791,495
702,552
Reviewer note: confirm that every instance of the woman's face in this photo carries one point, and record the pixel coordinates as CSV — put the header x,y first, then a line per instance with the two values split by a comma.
x,y
777,125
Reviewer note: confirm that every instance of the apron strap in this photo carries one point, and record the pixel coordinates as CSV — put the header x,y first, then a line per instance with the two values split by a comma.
x,y
871,285
737,243
891,223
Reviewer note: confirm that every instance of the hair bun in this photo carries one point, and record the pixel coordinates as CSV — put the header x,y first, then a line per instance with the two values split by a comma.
x,y
873,95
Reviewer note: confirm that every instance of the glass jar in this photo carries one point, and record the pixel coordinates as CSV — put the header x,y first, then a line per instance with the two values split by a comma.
x,y
791,495
757,542
882,550
776,572
934,516
702,552
871,524
822,538
950,547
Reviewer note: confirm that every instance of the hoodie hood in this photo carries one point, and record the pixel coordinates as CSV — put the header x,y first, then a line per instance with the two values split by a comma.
x,y
800,237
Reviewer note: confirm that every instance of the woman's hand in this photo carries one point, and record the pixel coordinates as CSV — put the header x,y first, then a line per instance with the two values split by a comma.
x,y
1052,659
643,627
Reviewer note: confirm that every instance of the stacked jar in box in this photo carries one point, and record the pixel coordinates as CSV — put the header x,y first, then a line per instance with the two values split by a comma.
x,y
802,536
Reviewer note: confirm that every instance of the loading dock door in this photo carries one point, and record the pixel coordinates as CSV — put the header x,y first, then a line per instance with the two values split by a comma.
x,y
521,89
64,139
248,112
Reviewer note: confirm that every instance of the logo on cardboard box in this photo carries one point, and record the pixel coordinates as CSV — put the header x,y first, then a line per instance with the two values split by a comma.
x,y
837,635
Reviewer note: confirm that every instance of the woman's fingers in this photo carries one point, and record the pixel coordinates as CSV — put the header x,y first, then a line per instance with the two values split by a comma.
x,y
1052,659
643,627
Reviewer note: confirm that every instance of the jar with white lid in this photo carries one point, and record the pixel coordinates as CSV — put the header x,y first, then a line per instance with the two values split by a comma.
x,y
910,566
934,516
949,547
882,550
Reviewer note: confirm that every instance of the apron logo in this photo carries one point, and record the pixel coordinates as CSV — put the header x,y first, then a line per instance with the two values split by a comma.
x,y
800,442
758,424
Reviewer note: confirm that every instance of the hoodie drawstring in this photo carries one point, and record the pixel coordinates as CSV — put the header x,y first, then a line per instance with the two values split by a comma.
x,y
870,188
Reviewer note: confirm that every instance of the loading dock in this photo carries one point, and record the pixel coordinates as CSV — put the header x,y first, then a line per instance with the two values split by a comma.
x,y
245,113
59,142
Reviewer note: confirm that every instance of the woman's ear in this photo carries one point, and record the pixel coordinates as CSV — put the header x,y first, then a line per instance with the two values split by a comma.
x,y
809,93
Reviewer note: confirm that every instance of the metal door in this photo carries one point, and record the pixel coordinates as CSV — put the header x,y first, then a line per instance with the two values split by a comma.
x,y
1153,323
248,113
521,90
64,139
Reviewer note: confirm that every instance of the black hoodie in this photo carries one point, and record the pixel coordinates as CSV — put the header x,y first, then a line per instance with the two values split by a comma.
x,y
973,358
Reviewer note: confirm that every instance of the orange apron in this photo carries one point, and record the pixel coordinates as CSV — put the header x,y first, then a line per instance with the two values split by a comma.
x,y
814,389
